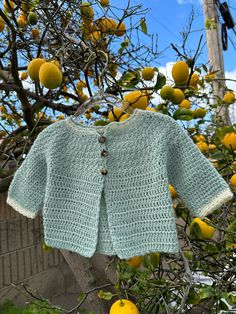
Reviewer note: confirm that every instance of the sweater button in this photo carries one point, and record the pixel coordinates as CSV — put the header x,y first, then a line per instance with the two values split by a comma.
x,y
104,153
104,171
102,139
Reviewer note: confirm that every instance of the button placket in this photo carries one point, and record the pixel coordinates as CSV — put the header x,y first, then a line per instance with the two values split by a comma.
x,y
104,153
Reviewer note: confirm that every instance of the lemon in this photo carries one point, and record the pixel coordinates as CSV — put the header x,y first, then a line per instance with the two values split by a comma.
x,y
151,109
178,96
124,117
206,231
135,261
32,18
229,97
148,73
33,68
199,137
24,75
202,146
86,10
50,75
172,190
104,3
9,7
199,113
120,29
107,25
185,104
212,146
136,99
229,140
194,80
2,24
167,92
35,33
233,180
180,72
123,307
21,20
115,114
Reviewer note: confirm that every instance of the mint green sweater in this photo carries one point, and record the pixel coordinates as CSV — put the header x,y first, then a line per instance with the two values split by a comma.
x,y
105,188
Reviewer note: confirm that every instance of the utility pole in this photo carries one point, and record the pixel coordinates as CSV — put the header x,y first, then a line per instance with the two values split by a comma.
x,y
214,47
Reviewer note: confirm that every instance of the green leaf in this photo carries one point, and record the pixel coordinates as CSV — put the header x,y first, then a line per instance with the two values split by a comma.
x,y
105,295
100,122
160,82
143,25
206,292
124,45
183,114
223,305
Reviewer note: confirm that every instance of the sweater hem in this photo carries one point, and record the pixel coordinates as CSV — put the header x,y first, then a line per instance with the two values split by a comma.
x,y
216,202
147,248
23,211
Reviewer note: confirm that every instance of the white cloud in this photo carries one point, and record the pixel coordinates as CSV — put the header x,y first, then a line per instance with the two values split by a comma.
x,y
184,1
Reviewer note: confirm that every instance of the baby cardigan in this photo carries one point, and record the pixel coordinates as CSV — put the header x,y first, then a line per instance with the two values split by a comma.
x,y
106,188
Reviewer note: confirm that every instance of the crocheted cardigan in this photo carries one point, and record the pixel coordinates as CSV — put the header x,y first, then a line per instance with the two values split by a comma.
x,y
105,188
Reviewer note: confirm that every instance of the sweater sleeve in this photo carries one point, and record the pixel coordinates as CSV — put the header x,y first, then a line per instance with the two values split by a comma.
x,y
27,188
197,182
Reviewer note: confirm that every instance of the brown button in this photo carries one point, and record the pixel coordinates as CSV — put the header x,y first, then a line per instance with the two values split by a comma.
x,y
104,171
104,153
102,139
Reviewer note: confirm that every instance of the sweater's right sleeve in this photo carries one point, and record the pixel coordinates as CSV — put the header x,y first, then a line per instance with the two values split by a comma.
x,y
195,179
27,189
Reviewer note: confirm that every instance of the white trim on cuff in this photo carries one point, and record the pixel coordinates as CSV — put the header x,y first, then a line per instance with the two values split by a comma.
x,y
216,202
20,209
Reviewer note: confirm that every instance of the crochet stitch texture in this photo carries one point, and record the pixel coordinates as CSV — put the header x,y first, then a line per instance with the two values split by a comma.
x,y
127,211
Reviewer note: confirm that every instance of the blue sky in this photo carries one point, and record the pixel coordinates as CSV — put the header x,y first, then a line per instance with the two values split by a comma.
x,y
169,18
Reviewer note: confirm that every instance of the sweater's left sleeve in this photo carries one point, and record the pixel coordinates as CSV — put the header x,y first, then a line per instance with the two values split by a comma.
x,y
195,179
27,189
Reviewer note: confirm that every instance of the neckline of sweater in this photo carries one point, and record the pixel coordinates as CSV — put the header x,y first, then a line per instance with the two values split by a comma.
x,y
78,127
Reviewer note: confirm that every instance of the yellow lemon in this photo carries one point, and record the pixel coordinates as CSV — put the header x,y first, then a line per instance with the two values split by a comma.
x,y
212,146
86,10
233,180
199,138
35,33
34,67
50,75
136,99
104,3
185,104
115,114
88,115
2,24
57,63
151,109
148,73
24,75
206,231
229,97
199,113
229,140
124,117
22,21
95,37
167,92
123,307
80,84
135,261
120,29
202,146
180,72
60,117
178,96
172,191
9,7
194,80
107,25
